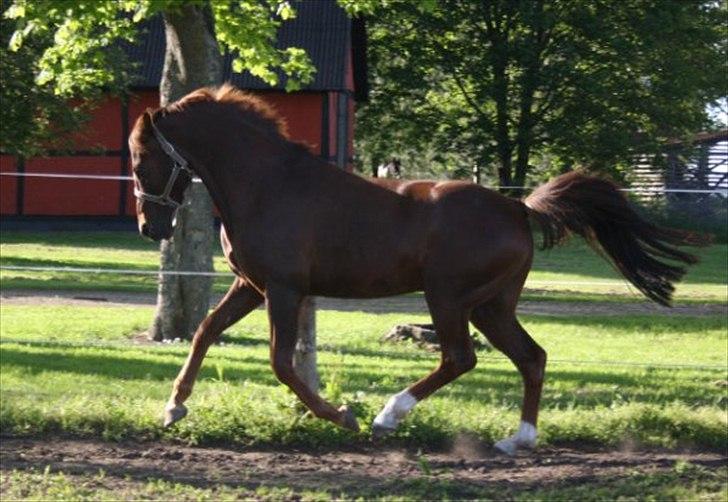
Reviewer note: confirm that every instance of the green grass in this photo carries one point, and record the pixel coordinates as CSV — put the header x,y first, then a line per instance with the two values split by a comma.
x,y
653,380
574,262
682,482
33,485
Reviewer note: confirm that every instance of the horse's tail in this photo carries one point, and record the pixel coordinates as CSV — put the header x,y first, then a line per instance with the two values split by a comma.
x,y
595,209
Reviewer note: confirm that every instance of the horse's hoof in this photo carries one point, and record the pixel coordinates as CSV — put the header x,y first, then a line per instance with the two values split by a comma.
x,y
380,432
348,419
174,413
507,446
510,446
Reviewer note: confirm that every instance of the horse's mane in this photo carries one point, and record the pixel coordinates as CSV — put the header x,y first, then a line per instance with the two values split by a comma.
x,y
254,108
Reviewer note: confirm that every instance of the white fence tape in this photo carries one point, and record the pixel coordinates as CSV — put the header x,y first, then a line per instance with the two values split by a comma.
x,y
723,191
120,271
67,176
131,271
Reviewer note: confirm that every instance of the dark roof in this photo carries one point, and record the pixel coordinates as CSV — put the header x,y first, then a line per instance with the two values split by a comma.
x,y
321,27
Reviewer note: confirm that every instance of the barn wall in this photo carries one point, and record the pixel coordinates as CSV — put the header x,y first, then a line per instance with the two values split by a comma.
x,y
106,131
71,197
302,113
8,185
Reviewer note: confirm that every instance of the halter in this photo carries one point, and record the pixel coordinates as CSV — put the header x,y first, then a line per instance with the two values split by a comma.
x,y
179,164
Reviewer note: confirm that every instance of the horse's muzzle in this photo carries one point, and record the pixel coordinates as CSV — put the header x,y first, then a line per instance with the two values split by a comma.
x,y
154,233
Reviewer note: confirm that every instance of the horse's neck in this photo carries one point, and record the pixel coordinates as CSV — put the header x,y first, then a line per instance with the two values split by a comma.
x,y
211,159
231,174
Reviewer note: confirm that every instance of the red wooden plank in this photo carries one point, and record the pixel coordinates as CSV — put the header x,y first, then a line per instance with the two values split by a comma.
x,y
65,197
8,185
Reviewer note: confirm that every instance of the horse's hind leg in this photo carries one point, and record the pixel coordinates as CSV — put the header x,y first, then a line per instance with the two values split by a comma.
x,y
240,300
284,305
499,324
457,357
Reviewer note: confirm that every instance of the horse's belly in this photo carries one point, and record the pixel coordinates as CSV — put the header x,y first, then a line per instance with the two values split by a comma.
x,y
367,282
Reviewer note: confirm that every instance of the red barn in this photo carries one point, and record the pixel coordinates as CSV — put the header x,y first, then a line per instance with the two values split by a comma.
x,y
321,116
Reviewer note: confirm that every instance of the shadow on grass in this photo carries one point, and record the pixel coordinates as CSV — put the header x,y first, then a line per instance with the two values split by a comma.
x,y
122,366
128,241
41,262
483,385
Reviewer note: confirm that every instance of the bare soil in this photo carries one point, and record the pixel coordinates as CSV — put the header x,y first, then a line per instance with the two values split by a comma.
x,y
367,470
397,304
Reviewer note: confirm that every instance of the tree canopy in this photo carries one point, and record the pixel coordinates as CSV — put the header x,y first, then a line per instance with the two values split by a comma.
x,y
507,84
54,50
86,38
32,117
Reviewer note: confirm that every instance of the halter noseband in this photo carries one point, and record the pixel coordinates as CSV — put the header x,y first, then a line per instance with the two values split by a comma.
x,y
179,164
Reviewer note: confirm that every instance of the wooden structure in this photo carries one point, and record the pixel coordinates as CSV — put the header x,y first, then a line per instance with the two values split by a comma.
x,y
699,164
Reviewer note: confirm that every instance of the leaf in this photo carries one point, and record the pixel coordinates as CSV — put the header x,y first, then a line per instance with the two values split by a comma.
x,y
285,11
16,40
43,77
15,11
29,28
139,14
427,6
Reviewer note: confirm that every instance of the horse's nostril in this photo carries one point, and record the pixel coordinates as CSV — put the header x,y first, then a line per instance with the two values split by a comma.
x,y
145,229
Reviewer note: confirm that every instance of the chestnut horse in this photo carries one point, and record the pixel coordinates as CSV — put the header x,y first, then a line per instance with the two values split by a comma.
x,y
294,226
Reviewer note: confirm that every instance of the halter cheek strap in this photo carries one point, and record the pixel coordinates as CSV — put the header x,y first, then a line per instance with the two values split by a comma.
x,y
179,164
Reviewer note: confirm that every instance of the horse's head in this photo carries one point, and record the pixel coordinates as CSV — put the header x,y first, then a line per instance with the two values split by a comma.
x,y
161,176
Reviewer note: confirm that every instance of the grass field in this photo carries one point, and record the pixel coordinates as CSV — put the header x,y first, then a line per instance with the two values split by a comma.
x,y
645,381
658,381
573,272
683,482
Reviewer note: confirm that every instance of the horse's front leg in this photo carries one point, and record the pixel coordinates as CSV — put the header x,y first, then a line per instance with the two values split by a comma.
x,y
240,300
284,305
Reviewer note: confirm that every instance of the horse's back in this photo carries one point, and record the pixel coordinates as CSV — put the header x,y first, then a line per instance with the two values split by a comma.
x,y
478,237
463,214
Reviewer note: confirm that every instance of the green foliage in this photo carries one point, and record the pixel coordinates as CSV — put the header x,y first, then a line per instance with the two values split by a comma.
x,y
57,56
84,40
508,85
32,118
85,43
248,28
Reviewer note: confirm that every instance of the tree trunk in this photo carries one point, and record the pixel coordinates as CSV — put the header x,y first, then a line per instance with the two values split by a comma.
x,y
503,139
523,138
304,357
529,84
192,60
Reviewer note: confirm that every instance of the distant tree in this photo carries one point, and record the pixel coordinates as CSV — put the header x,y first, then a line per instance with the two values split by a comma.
x,y
502,82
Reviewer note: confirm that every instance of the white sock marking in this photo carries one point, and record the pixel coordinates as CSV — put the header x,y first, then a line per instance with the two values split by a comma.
x,y
395,410
524,438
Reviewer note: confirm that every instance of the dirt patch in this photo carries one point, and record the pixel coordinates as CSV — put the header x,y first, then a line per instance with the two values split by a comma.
x,y
364,470
397,304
